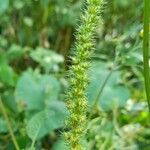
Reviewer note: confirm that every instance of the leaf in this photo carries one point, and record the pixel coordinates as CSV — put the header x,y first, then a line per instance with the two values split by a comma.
x,y
14,52
60,144
7,75
46,121
3,126
3,6
18,4
44,3
122,4
10,102
34,126
46,58
113,93
34,92
3,42
28,21
3,58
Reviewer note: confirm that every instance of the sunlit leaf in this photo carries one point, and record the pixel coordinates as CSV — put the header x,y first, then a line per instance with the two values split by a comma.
x,y
113,93
47,120
34,93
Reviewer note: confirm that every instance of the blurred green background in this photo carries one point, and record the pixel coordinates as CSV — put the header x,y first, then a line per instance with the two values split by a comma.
x,y
36,40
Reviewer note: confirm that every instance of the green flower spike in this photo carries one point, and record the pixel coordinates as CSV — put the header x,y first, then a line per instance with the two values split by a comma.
x,y
78,80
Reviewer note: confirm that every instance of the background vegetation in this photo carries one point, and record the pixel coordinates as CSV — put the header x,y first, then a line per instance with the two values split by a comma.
x,y
36,39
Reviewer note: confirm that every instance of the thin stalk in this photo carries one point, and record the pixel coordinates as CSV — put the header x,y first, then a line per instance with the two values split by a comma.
x,y
103,85
146,49
2,108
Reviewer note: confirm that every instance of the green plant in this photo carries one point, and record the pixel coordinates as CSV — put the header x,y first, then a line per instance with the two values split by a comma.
x,y
77,101
2,107
146,49
34,48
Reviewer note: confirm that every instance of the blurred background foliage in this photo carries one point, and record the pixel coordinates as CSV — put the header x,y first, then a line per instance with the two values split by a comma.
x,y
36,39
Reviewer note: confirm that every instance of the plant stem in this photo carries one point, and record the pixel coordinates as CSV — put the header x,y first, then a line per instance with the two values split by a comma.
x,y
2,107
103,85
102,88
146,49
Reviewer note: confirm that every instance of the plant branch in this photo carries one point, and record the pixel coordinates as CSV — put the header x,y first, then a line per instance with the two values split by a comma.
x,y
2,107
146,49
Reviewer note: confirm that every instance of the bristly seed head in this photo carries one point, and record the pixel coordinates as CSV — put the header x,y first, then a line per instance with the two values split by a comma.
x,y
78,80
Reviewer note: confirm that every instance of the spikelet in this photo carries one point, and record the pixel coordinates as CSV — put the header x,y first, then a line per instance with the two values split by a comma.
x,y
78,80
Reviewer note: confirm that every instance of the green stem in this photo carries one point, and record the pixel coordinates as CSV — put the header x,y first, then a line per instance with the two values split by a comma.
x,y
103,86
146,49
2,108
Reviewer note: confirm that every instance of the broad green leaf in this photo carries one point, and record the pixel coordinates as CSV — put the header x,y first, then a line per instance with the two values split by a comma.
x,y
14,52
7,75
31,148
28,21
3,58
3,6
113,93
18,4
44,3
3,42
3,126
46,58
60,144
36,92
122,4
47,120
10,102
